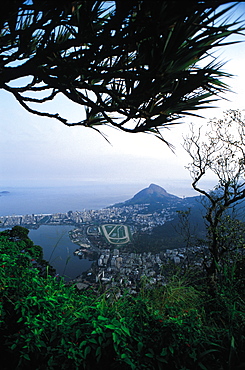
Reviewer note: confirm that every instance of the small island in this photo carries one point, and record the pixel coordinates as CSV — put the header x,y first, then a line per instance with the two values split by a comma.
x,y
4,192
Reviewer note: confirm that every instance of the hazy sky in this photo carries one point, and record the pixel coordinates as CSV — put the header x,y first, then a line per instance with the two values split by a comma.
x,y
36,151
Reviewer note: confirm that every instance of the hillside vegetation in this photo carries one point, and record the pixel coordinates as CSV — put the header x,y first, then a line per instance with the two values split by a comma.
x,y
46,324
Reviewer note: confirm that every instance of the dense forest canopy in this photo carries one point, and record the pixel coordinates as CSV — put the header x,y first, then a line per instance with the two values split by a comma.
x,y
130,64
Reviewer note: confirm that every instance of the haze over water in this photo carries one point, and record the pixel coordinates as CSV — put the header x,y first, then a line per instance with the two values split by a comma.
x,y
27,200
42,200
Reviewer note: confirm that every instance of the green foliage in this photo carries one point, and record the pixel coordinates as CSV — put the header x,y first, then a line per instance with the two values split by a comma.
x,y
19,235
46,324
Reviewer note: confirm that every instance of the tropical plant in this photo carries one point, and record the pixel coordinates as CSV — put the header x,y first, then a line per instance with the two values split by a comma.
x,y
133,65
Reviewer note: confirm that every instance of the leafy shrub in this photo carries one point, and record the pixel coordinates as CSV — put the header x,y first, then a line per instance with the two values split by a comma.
x,y
46,324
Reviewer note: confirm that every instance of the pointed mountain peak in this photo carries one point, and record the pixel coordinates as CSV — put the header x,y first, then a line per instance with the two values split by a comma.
x,y
154,194
156,189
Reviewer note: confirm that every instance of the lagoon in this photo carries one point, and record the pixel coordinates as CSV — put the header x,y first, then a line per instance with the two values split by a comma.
x,y
58,250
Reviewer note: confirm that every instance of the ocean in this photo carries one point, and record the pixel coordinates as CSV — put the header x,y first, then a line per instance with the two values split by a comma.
x,y
22,201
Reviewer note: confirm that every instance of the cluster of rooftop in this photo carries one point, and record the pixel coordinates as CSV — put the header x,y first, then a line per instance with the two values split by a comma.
x,y
132,215
126,269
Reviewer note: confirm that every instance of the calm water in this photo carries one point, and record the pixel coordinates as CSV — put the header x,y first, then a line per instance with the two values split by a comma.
x,y
22,201
58,250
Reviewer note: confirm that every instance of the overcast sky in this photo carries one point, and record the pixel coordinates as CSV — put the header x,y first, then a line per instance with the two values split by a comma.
x,y
36,151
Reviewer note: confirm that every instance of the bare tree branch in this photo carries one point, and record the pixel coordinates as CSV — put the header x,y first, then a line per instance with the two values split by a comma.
x,y
220,151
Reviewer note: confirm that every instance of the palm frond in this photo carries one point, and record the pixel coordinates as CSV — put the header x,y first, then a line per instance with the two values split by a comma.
x,y
137,60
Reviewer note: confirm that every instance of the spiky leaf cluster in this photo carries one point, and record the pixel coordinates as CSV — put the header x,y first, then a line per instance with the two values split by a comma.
x,y
130,64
